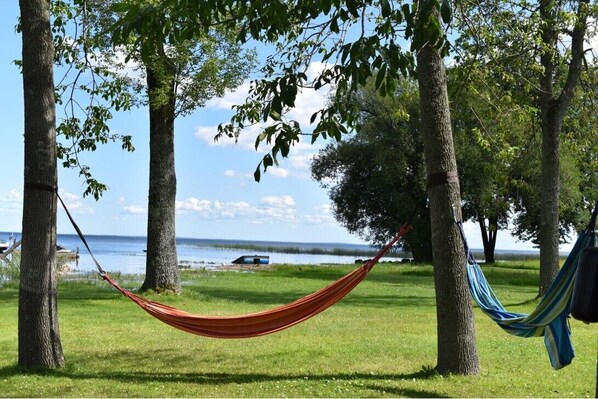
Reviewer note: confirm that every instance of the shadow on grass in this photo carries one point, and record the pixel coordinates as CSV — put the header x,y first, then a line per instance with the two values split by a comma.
x,y
87,291
373,381
380,273
9,294
271,299
512,277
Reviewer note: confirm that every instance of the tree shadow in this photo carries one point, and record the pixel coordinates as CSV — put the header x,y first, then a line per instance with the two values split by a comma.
x,y
374,381
272,299
85,293
387,274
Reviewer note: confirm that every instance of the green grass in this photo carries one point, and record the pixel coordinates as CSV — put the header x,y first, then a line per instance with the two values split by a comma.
x,y
380,341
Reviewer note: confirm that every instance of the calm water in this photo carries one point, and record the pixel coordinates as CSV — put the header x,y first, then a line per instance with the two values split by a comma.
x,y
126,254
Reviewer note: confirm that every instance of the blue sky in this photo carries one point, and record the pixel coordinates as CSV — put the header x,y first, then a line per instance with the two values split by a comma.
x,y
217,196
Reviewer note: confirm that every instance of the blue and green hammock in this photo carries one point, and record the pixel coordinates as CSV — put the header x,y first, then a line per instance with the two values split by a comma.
x,y
550,318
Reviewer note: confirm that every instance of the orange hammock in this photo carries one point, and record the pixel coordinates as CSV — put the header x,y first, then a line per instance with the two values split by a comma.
x,y
261,323
254,324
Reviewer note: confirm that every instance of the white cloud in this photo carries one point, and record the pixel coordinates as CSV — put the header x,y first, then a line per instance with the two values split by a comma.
x,y
302,161
193,204
278,201
12,202
234,174
75,204
135,210
235,97
278,172
270,209
322,215
309,101
13,195
245,140
207,134
298,166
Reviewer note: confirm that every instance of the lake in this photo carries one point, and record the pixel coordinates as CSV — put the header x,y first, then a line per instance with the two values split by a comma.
x,y
126,254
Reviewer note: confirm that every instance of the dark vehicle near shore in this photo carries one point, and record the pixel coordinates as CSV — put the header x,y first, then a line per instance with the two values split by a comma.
x,y
252,260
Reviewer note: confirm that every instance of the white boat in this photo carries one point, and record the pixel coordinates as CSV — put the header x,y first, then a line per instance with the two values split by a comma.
x,y
67,253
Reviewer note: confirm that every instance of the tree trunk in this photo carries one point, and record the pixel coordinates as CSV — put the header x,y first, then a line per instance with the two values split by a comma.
x,y
549,234
553,107
419,239
421,254
39,337
488,238
162,273
457,351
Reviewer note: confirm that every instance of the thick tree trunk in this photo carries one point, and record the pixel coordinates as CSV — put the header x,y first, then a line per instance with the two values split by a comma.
x,y
162,273
39,337
457,351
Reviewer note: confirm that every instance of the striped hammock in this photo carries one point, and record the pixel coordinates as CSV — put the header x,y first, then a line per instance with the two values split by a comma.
x,y
549,318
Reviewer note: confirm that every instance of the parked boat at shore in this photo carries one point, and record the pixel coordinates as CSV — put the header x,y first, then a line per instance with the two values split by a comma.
x,y
7,244
66,253
252,260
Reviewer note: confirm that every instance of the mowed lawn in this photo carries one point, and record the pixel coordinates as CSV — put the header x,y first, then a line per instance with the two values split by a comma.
x,y
379,341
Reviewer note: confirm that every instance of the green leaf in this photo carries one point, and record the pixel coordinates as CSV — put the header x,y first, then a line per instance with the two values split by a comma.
x,y
267,161
446,11
257,174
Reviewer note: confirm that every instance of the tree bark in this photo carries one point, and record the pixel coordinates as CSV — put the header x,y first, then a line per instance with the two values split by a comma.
x,y
457,351
553,107
39,336
162,273
549,234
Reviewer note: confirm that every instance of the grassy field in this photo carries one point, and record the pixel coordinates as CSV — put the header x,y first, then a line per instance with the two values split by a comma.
x,y
380,341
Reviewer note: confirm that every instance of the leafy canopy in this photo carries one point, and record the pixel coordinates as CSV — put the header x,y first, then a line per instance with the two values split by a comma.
x,y
354,39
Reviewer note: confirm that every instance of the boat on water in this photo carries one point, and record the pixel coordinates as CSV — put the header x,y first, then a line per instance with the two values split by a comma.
x,y
252,260
6,244
66,253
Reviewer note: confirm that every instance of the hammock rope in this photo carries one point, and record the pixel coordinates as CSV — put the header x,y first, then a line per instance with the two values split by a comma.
x,y
550,317
253,324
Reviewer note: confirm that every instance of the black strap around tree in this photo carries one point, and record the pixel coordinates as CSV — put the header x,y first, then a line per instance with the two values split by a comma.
x,y
442,177
41,187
